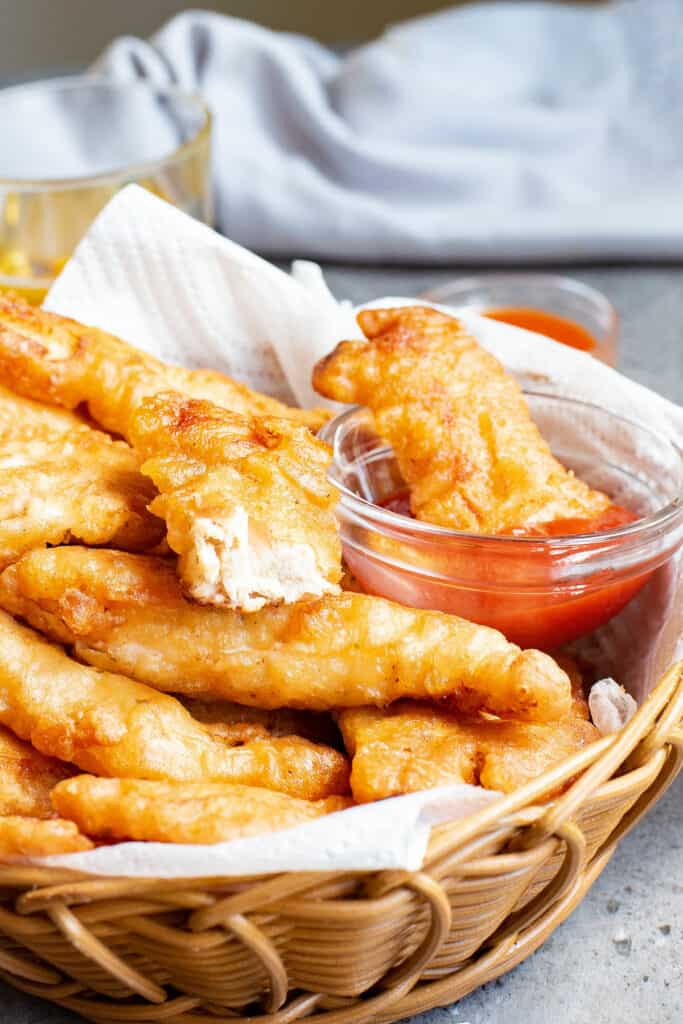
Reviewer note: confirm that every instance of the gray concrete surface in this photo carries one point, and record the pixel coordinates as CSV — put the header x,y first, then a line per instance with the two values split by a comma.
x,y
619,958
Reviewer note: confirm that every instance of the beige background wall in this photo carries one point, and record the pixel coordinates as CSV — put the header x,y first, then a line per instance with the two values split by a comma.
x,y
35,33
42,34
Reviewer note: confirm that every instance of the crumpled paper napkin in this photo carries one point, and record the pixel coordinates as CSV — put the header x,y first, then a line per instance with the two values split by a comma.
x,y
173,287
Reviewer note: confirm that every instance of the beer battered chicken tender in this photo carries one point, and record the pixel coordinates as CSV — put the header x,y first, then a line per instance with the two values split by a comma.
x,y
23,421
246,500
458,423
62,362
240,723
62,480
33,837
414,746
167,812
27,778
127,613
110,725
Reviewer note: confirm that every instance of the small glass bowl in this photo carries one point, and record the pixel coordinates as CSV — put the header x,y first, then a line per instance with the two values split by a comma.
x,y
504,295
70,144
540,592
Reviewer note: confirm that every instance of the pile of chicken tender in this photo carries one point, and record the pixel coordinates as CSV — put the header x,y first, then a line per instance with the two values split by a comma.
x,y
182,657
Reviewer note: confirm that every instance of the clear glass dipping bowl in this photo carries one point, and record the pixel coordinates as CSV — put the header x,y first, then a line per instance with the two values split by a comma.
x,y
540,592
69,144
556,294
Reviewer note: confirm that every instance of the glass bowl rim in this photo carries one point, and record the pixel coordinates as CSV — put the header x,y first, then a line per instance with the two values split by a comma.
x,y
561,283
661,519
113,176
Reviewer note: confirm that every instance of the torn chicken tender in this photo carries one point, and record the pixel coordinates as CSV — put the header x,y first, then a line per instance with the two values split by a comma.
x,y
61,362
34,837
127,613
110,725
458,423
246,500
167,812
61,480
412,746
27,777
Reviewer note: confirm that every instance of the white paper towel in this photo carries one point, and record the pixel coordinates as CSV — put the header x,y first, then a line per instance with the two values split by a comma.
x,y
175,288
170,285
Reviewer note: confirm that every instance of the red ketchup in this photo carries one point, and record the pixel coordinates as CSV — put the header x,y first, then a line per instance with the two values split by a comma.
x,y
535,613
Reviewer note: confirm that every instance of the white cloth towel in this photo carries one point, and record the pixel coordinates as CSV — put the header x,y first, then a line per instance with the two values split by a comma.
x,y
486,133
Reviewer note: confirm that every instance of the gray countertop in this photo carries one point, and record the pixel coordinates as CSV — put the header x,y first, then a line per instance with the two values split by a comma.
x,y
619,958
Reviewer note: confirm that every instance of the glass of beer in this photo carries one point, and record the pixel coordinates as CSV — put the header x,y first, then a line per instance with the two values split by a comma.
x,y
69,144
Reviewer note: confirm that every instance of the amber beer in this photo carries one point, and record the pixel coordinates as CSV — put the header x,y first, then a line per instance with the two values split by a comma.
x,y
114,134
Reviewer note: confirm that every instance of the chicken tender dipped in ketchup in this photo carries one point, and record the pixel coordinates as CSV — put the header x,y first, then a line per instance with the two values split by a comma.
x,y
465,442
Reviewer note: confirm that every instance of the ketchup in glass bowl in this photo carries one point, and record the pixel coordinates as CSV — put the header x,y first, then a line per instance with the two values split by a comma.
x,y
541,588
559,307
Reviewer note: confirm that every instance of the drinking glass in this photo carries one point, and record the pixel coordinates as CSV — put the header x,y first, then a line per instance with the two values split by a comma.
x,y
70,144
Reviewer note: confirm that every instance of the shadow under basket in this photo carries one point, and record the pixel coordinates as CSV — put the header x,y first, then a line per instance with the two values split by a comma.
x,y
343,947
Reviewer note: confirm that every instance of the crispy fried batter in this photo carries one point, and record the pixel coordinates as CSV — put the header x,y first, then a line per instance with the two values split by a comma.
x,y
22,420
27,777
62,362
60,479
86,489
414,746
33,837
168,812
246,500
127,612
238,723
458,423
110,725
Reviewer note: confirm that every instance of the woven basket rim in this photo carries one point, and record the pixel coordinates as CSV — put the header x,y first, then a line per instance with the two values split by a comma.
x,y
212,949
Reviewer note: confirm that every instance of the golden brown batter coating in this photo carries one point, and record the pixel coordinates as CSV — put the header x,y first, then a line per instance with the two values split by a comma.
x,y
110,725
27,777
246,500
61,362
61,480
127,613
23,421
239,723
33,837
171,812
412,746
458,423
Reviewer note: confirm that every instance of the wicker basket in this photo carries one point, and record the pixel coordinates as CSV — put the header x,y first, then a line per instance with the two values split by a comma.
x,y
342,947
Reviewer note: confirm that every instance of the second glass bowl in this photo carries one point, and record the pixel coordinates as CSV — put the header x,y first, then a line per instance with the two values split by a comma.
x,y
560,307
540,592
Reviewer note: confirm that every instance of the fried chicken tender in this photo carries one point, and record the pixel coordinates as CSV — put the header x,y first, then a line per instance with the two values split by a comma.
x,y
110,725
27,778
127,613
411,746
461,430
86,488
62,480
34,837
22,420
246,500
168,812
64,363
238,723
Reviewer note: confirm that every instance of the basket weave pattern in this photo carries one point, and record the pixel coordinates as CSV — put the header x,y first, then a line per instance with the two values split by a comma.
x,y
342,947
